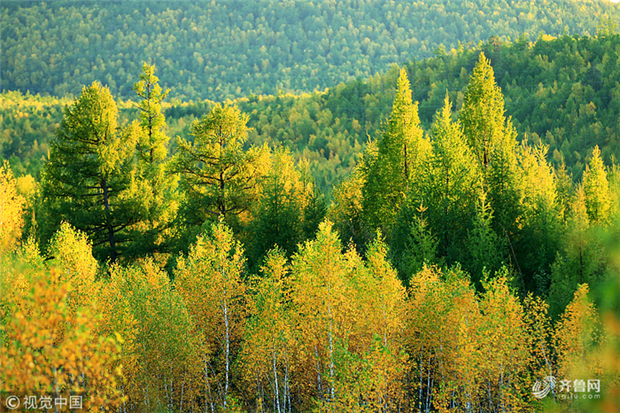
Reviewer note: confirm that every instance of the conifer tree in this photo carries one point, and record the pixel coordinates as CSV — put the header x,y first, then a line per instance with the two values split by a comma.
x,y
452,184
541,223
346,211
482,115
492,140
86,181
287,211
401,150
596,189
581,258
154,180
151,146
486,249
420,244
219,177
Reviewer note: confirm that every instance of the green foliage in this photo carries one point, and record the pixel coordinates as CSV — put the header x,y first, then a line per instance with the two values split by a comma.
x,y
486,248
452,180
542,215
287,210
580,259
229,49
400,151
493,142
420,245
154,180
559,91
87,179
596,189
333,330
218,177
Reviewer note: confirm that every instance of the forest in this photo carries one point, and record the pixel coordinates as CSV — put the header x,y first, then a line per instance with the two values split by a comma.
x,y
323,206
562,92
228,49
454,269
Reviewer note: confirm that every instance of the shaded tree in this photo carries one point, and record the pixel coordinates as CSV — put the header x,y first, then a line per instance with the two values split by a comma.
x,y
87,179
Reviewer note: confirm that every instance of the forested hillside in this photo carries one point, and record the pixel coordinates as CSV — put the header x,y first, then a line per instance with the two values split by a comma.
x,y
229,49
456,270
294,206
560,92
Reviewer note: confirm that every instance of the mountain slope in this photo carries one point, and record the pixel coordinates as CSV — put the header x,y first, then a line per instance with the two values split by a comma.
x,y
560,92
228,49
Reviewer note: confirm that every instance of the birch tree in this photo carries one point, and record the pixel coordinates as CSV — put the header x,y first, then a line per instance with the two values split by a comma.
x,y
209,279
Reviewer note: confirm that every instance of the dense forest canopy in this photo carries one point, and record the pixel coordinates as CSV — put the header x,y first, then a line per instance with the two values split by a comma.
x,y
436,231
562,92
214,278
229,49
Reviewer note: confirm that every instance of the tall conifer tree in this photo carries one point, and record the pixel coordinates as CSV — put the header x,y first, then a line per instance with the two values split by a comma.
x,y
218,176
401,150
492,140
87,178
153,179
453,177
596,188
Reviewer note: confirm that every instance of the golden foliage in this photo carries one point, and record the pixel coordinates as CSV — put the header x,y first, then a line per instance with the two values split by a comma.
x,y
50,346
11,210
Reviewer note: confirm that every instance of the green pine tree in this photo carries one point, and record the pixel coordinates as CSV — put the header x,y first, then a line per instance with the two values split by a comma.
x,y
154,180
596,189
492,139
487,250
453,178
401,150
87,178
219,177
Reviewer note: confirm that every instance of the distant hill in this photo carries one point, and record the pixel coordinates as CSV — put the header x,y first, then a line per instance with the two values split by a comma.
x,y
562,92
231,48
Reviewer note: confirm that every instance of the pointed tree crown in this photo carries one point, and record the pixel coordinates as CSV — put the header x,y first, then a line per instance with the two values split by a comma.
x,y
483,111
152,145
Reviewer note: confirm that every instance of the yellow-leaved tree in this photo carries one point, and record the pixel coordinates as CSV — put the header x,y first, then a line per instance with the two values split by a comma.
x,y
321,298
374,362
266,357
443,341
210,281
160,355
505,345
50,342
577,338
11,210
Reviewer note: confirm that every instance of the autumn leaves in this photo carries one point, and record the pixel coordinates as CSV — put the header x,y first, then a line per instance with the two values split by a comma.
x,y
327,330
232,323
